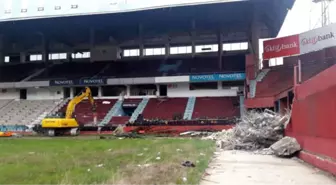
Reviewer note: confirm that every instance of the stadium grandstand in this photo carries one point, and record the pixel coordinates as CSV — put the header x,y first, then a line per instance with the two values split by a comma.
x,y
171,64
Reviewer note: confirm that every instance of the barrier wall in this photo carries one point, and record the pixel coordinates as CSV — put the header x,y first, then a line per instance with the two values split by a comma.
x,y
314,120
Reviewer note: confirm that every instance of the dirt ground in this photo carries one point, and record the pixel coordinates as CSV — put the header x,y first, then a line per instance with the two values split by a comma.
x,y
238,167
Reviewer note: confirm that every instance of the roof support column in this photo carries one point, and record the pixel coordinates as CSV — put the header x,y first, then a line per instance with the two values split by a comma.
x,y
193,38
92,42
255,35
167,46
2,56
23,56
45,48
220,48
141,42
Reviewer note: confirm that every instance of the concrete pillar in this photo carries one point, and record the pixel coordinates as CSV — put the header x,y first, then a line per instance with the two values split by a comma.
x,y
220,85
141,42
241,105
45,48
167,46
193,38
23,57
92,42
2,55
72,92
100,91
220,48
69,56
157,90
255,35
128,90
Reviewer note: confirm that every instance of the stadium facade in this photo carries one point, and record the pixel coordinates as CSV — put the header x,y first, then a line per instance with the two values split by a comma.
x,y
164,61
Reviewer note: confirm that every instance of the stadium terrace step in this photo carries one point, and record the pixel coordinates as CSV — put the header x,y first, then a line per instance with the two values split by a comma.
x,y
139,109
165,108
216,107
189,109
25,112
117,120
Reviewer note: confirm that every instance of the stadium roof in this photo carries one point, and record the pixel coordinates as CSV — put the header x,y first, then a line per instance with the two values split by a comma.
x,y
234,15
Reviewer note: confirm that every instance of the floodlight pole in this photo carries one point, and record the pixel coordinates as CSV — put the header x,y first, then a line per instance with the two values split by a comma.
x,y
325,14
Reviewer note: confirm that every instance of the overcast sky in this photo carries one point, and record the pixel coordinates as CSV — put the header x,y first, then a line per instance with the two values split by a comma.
x,y
305,15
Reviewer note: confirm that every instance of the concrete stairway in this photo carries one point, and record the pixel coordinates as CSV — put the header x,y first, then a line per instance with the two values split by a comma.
x,y
112,112
189,108
139,110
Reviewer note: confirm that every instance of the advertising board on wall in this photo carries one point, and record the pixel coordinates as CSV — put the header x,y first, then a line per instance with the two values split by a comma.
x,y
83,82
318,39
217,77
306,42
284,46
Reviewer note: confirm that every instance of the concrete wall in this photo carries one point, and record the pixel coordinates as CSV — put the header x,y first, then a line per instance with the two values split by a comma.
x,y
10,94
45,93
182,90
314,120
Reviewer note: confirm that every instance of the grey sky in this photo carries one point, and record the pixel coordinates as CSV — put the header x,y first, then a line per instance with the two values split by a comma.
x,y
304,16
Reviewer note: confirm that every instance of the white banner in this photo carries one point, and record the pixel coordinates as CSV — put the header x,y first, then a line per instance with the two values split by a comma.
x,y
318,39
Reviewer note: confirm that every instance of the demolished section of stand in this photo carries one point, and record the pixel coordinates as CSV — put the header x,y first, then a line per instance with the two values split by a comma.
x,y
262,132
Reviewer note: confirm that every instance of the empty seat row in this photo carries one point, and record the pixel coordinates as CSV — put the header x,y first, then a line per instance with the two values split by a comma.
x,y
24,112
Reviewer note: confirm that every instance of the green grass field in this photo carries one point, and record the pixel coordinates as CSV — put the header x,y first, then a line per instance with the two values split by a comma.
x,y
94,161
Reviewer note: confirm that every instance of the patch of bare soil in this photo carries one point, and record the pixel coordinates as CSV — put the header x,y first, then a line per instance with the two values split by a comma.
x,y
151,174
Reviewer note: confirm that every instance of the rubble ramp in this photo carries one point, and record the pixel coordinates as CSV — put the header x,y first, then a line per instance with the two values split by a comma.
x,y
240,167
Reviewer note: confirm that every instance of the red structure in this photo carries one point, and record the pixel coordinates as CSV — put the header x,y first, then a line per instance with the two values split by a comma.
x,y
313,120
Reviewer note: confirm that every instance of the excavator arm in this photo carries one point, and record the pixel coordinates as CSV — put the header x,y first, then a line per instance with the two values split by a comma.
x,y
72,104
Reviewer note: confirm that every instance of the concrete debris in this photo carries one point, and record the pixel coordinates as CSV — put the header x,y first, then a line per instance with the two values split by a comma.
x,y
119,130
255,131
184,179
100,165
144,165
140,154
178,150
188,164
196,133
158,158
286,147
265,151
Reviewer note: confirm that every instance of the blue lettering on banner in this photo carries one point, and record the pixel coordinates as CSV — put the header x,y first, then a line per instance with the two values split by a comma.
x,y
217,77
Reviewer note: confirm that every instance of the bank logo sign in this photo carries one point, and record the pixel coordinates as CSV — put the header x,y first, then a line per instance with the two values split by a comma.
x,y
218,77
300,44
81,82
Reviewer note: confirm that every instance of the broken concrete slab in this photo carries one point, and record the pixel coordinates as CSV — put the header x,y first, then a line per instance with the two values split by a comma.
x,y
286,147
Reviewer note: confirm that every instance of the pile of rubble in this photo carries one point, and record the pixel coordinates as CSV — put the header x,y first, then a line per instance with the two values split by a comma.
x,y
258,131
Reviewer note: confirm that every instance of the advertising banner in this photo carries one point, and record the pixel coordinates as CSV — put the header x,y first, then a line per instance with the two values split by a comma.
x,y
81,82
318,39
281,47
61,82
217,77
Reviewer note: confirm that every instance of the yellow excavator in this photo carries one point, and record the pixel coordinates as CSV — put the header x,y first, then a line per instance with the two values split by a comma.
x,y
59,125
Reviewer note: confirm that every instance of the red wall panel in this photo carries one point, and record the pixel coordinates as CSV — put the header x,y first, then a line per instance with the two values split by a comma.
x,y
313,120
